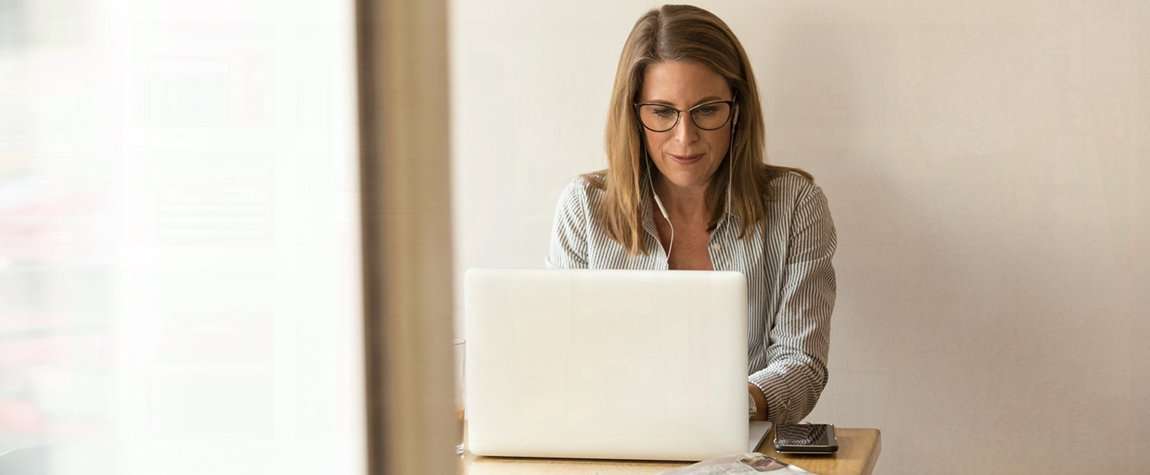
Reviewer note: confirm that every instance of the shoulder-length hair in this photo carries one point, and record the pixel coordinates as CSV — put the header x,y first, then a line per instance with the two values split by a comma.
x,y
682,33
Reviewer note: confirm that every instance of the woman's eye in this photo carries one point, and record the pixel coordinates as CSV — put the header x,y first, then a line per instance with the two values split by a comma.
x,y
665,112
707,110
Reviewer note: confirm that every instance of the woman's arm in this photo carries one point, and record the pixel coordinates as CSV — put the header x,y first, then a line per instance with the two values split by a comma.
x,y
568,248
796,371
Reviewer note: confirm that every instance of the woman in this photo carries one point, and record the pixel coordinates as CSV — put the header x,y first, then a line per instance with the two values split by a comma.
x,y
687,187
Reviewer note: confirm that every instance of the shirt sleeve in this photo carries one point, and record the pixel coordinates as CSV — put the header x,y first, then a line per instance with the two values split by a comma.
x,y
799,340
568,249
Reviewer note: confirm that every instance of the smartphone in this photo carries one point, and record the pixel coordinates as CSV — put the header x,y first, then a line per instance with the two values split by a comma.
x,y
805,439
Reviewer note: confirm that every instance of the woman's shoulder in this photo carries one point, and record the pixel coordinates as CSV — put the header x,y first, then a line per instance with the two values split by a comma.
x,y
581,193
795,204
585,187
789,185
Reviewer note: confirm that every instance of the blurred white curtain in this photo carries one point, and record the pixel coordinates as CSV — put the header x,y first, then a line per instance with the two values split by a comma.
x,y
179,238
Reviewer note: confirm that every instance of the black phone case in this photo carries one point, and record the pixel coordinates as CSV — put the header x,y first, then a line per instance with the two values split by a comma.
x,y
812,439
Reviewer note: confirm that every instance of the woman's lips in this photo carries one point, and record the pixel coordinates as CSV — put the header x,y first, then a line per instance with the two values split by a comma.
x,y
686,159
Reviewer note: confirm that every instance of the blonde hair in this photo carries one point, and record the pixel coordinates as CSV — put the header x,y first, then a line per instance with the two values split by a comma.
x,y
682,33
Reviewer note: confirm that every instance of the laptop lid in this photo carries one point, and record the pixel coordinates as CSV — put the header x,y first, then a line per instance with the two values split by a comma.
x,y
615,364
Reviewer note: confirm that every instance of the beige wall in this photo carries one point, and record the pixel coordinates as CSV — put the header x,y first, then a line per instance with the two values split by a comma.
x,y
985,165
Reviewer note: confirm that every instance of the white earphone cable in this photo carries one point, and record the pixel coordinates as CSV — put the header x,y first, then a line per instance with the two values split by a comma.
x,y
659,203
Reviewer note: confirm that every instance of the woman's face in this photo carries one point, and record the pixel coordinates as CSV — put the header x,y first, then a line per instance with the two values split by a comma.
x,y
686,155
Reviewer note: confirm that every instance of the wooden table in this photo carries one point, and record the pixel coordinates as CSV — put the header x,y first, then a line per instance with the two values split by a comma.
x,y
858,452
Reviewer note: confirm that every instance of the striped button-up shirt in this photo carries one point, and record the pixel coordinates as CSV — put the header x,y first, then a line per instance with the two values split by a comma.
x,y
786,260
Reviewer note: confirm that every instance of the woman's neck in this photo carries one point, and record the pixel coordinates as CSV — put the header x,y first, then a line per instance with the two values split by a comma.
x,y
684,203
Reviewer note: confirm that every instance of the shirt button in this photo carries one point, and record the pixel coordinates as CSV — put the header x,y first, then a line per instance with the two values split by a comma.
x,y
715,246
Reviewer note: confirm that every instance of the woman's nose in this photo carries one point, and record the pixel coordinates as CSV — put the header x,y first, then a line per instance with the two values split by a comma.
x,y
686,131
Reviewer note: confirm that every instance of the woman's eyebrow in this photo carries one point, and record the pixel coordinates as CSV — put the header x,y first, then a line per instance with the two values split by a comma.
x,y
669,103
707,99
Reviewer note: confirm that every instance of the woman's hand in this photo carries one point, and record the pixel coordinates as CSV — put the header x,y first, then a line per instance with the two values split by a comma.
x,y
760,402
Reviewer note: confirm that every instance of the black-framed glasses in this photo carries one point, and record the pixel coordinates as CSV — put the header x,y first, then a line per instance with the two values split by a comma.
x,y
707,116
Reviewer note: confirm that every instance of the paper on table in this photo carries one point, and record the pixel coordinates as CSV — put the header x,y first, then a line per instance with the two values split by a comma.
x,y
751,463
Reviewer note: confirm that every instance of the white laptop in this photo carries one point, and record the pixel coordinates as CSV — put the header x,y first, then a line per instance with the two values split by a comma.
x,y
642,365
